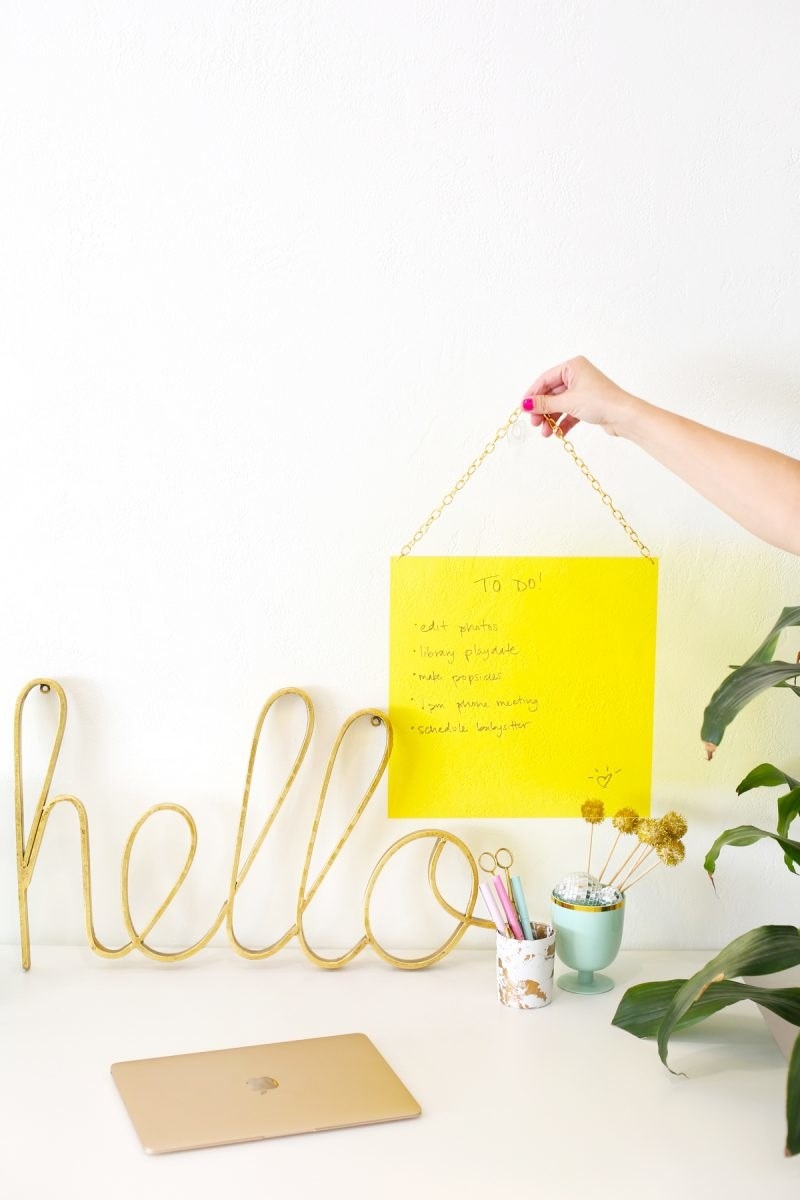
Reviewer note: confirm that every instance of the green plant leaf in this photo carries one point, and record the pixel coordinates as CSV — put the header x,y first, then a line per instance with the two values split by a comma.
x,y
766,775
737,690
746,835
667,1006
793,1101
644,1006
743,683
759,952
766,651
788,808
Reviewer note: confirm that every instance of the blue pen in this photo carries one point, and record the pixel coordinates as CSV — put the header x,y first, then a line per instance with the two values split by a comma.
x,y
522,908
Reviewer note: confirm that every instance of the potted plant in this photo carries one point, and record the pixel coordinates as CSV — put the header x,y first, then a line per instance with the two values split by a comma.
x,y
659,1009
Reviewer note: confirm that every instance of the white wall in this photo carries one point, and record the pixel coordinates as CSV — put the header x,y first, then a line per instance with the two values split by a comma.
x,y
272,274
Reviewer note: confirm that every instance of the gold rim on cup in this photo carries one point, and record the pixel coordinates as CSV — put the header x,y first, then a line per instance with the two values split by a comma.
x,y
587,907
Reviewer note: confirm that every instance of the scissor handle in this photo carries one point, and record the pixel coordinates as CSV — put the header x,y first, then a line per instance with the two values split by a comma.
x,y
504,864
492,859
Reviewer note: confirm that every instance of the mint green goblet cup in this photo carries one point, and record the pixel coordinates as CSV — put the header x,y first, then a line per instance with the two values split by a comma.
x,y
588,938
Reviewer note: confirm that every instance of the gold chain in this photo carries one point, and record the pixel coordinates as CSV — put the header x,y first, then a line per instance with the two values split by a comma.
x,y
571,451
451,495
604,496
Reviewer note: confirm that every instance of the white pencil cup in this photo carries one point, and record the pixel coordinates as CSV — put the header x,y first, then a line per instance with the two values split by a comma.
x,y
525,970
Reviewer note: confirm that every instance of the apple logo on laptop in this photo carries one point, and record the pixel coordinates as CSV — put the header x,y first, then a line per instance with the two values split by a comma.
x,y
262,1084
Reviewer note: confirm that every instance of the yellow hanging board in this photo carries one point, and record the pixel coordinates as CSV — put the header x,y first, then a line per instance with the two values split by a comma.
x,y
520,687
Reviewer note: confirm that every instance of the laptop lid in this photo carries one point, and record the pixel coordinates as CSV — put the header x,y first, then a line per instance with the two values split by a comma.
x,y
218,1097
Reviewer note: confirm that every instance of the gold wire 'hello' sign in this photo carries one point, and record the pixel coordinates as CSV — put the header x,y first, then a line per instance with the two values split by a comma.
x,y
28,848
27,851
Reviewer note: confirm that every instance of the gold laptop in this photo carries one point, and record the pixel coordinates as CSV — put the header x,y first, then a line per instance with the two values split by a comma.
x,y
218,1097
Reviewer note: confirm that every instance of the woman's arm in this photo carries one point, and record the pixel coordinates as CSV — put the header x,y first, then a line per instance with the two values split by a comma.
x,y
758,487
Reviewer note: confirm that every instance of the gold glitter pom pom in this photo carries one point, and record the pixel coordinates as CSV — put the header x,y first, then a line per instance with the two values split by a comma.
x,y
626,820
675,825
672,852
593,811
649,831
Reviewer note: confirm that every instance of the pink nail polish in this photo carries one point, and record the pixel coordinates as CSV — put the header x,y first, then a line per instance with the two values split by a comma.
x,y
527,404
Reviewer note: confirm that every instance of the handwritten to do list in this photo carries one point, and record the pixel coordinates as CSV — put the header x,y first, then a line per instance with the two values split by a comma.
x,y
518,687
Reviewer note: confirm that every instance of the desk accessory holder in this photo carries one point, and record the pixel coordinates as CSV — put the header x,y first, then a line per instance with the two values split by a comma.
x,y
588,939
525,970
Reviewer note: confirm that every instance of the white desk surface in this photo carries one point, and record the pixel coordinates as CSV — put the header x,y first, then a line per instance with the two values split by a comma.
x,y
554,1103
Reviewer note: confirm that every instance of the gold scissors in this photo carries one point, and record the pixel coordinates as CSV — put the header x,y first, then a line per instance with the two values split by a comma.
x,y
501,860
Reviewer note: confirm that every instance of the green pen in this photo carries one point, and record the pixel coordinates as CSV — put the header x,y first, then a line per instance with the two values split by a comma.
x,y
522,908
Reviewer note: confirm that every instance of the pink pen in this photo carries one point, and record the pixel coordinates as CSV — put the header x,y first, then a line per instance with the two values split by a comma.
x,y
508,908
493,908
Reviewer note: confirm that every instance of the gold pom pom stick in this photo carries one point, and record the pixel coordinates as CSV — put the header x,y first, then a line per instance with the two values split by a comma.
x,y
652,835
647,832
624,821
666,841
670,854
594,813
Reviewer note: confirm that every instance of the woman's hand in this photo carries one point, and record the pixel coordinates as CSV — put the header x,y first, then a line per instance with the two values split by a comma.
x,y
576,391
